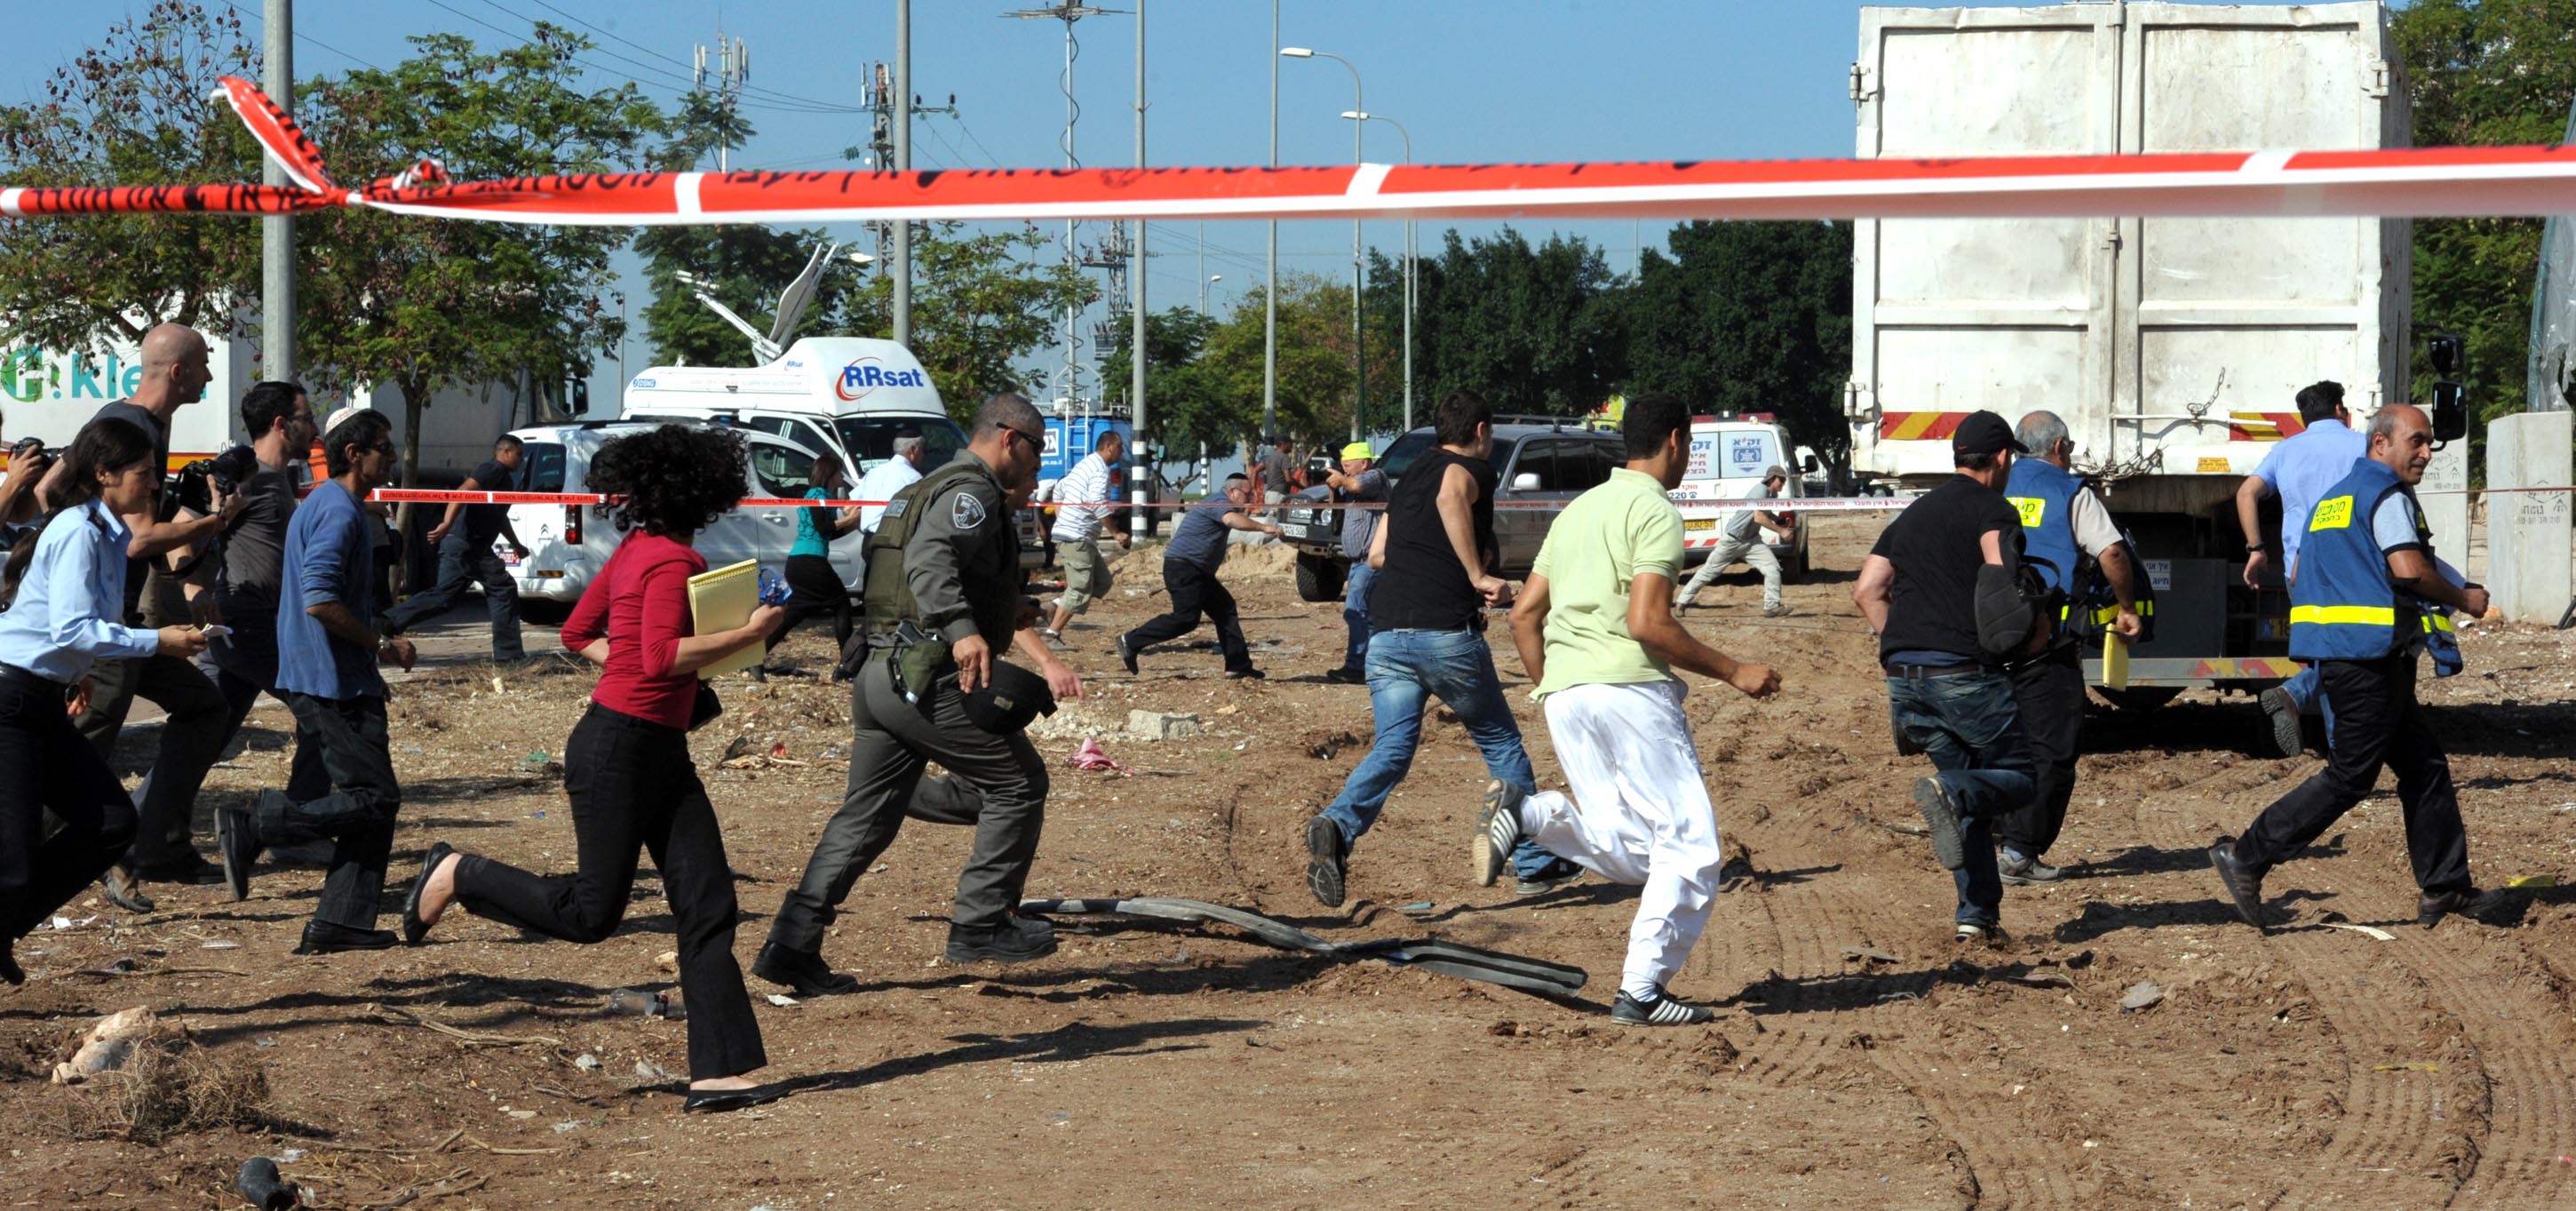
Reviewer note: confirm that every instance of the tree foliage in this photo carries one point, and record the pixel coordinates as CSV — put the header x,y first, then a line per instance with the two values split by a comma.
x,y
980,302
423,304
1748,317
2484,72
1529,328
1188,407
133,110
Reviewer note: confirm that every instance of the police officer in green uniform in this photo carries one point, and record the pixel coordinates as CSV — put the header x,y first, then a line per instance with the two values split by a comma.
x,y
944,593
2367,574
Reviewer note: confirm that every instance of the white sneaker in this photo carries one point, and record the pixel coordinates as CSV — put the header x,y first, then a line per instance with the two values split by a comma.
x,y
1498,829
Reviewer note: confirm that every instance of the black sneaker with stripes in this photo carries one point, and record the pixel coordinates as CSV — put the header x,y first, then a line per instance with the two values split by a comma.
x,y
1659,1010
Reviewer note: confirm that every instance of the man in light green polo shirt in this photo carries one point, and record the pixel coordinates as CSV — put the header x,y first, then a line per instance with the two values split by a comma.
x,y
1596,631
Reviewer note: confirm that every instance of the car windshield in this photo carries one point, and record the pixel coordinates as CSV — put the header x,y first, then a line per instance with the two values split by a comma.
x,y
545,464
1403,453
870,439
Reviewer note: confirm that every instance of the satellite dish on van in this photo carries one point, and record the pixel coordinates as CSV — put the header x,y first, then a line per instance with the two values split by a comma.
x,y
798,298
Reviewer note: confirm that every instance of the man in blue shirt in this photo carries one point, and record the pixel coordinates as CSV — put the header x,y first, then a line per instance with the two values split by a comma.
x,y
1190,561
2300,468
327,650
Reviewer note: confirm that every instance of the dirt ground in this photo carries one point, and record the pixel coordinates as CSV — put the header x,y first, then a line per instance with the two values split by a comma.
x,y
1153,1065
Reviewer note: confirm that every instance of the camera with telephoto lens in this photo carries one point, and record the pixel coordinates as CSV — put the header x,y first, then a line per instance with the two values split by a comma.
x,y
200,483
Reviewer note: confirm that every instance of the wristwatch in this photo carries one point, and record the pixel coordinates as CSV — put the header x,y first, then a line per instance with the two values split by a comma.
x,y
2255,548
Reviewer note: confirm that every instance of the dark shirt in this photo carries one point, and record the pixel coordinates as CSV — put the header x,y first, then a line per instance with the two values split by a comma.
x,y
137,570
1937,546
483,522
1273,469
1422,587
254,563
1199,540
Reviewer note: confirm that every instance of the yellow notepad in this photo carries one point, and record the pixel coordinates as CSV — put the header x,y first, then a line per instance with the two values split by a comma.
x,y
2115,660
720,601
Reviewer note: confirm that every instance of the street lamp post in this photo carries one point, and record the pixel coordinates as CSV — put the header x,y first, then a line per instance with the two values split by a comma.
x,y
1204,283
1359,115
1359,265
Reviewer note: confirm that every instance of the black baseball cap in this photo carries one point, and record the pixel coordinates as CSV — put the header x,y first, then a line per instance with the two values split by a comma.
x,y
1984,433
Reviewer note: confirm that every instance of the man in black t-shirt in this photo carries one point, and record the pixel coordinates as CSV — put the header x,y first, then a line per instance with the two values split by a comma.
x,y
1938,591
279,418
464,541
1434,552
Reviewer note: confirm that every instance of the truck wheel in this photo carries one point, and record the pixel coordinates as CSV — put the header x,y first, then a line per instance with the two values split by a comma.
x,y
2139,697
1318,578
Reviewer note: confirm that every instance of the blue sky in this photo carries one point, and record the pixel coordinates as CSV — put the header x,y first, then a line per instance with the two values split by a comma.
x,y
1475,81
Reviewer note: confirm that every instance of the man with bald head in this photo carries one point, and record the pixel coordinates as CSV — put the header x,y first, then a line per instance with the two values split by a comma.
x,y
2357,613
175,374
2067,536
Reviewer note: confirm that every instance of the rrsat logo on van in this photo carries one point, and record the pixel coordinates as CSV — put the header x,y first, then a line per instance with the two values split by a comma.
x,y
865,375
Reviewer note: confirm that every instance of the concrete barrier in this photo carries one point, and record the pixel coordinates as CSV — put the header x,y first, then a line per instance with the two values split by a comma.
x,y
2530,573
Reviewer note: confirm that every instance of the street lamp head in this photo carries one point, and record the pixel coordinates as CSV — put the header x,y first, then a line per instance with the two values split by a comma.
x,y
860,258
1215,277
1356,115
1296,52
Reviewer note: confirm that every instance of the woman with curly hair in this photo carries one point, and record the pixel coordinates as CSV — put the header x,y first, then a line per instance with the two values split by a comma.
x,y
627,767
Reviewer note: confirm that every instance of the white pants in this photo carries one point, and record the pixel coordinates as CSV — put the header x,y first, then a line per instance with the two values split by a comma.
x,y
1639,815
1753,551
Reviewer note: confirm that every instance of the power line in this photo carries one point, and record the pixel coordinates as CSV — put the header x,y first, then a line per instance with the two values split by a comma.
x,y
748,88
681,84
304,37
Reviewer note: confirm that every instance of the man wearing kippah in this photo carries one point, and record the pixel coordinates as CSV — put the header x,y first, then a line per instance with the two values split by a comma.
x,y
1357,483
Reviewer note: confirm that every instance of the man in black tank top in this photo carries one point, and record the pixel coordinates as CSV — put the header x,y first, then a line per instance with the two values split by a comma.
x,y
1435,554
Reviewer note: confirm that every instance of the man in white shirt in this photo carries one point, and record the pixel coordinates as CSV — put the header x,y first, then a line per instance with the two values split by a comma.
x,y
1077,531
1740,537
889,477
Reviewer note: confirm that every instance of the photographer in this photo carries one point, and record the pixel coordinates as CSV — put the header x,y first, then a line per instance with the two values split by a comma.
x,y
60,597
280,419
27,465
174,374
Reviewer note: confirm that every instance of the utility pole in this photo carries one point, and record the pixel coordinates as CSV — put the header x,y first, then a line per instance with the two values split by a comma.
x,y
277,232
1136,347
1113,254
1270,272
733,68
903,163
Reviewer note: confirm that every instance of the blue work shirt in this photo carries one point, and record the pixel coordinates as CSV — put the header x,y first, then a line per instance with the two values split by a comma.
x,y
2301,468
66,616
330,556
1199,540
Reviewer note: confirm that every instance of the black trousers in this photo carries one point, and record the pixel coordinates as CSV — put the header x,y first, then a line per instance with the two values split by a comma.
x,y
357,817
633,786
2050,694
1195,591
192,738
892,741
45,767
818,591
462,560
2377,721
305,777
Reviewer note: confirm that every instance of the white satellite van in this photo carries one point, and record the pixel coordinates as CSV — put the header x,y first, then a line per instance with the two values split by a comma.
x,y
842,395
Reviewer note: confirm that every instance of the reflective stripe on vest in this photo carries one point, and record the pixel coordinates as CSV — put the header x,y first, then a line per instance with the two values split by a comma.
x,y
2343,606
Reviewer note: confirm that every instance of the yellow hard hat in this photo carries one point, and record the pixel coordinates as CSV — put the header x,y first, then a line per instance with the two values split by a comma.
x,y
1357,450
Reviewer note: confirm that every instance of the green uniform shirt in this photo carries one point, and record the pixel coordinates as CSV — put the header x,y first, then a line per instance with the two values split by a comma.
x,y
1604,540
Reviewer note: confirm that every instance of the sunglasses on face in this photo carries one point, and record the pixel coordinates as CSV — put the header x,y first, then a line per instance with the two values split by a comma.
x,y
1037,445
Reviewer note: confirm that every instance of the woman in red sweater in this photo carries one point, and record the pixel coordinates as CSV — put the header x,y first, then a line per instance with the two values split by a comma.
x,y
627,767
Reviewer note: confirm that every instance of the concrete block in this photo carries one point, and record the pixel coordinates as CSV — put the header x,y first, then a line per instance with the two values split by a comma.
x,y
2530,572
1156,725
2444,495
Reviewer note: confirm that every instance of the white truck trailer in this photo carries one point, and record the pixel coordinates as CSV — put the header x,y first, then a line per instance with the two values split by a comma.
x,y
2172,347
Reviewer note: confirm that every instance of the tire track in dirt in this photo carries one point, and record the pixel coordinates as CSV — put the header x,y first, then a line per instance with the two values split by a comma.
x,y
2399,1124
2517,1023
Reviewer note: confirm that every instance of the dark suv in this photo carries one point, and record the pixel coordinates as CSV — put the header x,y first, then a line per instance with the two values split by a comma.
x,y
1538,459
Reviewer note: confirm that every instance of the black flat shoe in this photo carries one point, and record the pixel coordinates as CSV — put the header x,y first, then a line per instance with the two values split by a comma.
x,y
802,970
323,937
125,891
718,1101
237,839
413,928
191,870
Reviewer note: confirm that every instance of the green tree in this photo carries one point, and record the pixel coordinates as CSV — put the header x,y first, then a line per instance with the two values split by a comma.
x,y
2484,72
1531,329
1748,317
131,111
1184,406
421,304
1314,365
980,302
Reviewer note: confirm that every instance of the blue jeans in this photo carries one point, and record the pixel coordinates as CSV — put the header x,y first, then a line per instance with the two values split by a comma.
x,y
463,560
1405,670
2306,695
1355,595
1970,725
